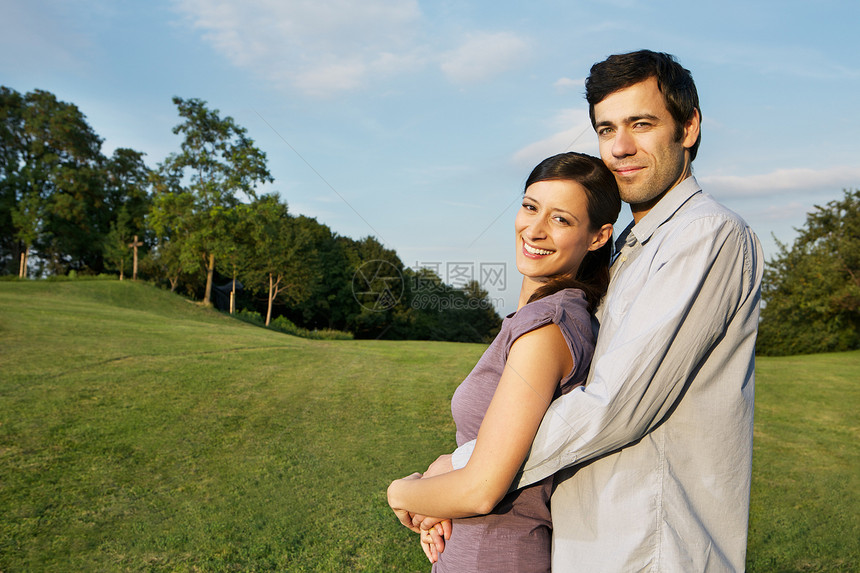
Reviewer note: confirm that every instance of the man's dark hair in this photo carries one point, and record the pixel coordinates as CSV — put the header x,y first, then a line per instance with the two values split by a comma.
x,y
674,81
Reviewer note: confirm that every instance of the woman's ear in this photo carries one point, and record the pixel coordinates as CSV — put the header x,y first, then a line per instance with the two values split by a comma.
x,y
601,237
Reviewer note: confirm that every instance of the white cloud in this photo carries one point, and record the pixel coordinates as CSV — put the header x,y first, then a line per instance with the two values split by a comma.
x,y
787,212
568,83
782,181
325,79
484,55
43,37
326,48
573,132
320,48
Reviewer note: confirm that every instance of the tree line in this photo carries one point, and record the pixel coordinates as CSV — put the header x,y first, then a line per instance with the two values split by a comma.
x,y
196,219
811,288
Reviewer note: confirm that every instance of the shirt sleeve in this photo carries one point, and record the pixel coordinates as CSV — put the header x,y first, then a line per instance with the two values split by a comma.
x,y
660,336
461,455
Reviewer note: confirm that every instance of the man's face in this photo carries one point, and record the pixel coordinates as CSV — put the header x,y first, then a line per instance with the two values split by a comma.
x,y
638,143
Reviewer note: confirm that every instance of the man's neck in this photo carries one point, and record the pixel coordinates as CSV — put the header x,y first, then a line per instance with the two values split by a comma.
x,y
639,210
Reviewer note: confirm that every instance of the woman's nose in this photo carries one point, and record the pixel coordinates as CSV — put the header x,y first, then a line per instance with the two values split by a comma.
x,y
536,229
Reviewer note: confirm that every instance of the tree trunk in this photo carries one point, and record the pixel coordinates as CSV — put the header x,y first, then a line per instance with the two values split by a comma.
x,y
134,246
233,295
22,270
271,297
210,271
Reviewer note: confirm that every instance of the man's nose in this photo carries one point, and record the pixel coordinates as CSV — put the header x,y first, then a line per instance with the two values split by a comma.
x,y
624,144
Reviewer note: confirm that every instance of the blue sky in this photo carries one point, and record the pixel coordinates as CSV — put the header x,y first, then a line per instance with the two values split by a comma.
x,y
417,122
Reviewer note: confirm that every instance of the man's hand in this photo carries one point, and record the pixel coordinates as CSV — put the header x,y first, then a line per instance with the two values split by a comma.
x,y
442,465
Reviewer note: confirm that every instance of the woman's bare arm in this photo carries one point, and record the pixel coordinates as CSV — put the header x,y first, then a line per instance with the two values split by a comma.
x,y
536,362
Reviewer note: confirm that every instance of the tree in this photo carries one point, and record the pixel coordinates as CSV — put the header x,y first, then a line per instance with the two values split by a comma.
x,y
127,187
234,244
478,312
51,183
443,312
811,290
377,283
171,220
116,250
216,164
127,180
284,262
12,259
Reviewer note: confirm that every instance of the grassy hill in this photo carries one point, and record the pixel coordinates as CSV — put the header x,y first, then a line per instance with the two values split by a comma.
x,y
141,432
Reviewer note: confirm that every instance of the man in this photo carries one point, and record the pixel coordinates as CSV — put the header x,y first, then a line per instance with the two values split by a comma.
x,y
658,443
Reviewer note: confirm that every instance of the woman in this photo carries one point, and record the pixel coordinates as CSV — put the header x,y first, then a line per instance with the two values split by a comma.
x,y
563,232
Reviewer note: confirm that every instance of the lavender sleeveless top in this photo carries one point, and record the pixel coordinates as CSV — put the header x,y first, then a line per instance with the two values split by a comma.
x,y
517,535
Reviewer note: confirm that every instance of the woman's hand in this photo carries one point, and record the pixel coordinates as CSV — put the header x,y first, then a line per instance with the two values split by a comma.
x,y
438,529
404,516
433,531
519,403
433,540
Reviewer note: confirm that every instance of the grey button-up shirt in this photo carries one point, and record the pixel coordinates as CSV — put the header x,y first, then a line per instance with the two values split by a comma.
x,y
658,443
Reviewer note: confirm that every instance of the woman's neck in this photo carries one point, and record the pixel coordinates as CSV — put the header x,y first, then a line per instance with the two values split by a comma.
x,y
527,289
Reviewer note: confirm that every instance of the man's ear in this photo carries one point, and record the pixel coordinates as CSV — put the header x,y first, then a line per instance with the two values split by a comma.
x,y
691,130
601,237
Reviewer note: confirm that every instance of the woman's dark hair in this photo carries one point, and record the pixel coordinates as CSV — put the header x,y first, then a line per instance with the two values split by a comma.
x,y
624,70
603,205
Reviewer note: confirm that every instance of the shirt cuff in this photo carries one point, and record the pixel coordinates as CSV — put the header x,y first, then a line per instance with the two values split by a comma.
x,y
461,455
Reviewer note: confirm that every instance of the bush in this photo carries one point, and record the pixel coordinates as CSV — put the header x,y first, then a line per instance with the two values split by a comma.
x,y
75,276
249,316
285,325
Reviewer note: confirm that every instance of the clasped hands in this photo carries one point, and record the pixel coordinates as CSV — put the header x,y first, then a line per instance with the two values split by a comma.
x,y
433,531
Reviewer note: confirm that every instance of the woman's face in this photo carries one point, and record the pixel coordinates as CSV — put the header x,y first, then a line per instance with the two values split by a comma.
x,y
552,229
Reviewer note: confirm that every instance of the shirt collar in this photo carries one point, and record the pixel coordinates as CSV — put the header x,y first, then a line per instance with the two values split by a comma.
x,y
664,209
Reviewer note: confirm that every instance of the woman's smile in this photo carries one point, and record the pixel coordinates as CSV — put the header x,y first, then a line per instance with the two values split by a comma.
x,y
535,252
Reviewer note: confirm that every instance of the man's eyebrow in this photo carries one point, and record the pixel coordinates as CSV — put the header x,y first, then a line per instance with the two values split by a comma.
x,y
635,118
628,120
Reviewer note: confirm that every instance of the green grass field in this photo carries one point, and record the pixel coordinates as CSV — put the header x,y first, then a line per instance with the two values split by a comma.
x,y
139,432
